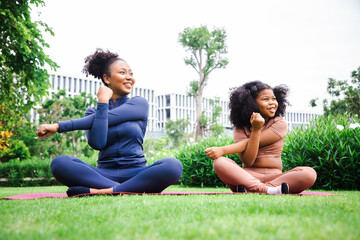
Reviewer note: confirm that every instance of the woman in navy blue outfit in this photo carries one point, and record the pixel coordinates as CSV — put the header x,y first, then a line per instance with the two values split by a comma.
x,y
116,127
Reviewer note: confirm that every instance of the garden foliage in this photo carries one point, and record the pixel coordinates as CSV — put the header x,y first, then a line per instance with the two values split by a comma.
x,y
331,145
197,167
15,171
30,172
24,63
176,130
344,95
22,144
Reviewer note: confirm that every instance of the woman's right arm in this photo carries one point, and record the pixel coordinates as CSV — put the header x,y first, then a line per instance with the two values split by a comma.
x,y
249,155
216,152
97,135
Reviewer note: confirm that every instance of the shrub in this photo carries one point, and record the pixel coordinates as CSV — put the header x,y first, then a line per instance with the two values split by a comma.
x,y
25,132
331,145
198,168
15,171
16,150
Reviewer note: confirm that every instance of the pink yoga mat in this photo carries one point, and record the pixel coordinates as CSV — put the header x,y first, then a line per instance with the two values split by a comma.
x,y
63,195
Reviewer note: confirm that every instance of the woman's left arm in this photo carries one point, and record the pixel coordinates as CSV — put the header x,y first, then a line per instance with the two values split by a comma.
x,y
135,109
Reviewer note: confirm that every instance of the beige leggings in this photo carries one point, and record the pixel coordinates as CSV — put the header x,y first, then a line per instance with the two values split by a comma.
x,y
259,179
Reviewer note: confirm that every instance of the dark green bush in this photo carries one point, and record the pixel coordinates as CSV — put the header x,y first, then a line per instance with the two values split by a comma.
x,y
15,171
198,168
18,172
332,151
17,150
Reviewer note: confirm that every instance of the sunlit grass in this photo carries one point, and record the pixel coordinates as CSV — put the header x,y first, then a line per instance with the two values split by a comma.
x,y
245,216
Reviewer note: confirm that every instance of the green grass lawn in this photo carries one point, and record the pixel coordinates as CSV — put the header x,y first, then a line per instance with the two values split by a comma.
x,y
242,216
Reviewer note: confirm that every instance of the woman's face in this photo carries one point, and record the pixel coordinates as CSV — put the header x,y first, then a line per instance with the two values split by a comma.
x,y
121,79
267,103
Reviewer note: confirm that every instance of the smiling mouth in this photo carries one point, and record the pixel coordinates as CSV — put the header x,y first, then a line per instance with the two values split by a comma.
x,y
128,85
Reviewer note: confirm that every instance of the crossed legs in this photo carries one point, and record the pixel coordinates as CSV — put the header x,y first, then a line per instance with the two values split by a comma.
x,y
260,179
83,178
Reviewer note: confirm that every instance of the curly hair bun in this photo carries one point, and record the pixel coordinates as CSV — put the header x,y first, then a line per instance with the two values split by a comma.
x,y
97,64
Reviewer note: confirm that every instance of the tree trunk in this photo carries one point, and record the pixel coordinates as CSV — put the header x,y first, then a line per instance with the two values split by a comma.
x,y
199,129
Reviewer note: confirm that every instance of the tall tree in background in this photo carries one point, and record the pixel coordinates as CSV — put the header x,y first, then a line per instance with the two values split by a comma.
x,y
207,52
23,77
345,96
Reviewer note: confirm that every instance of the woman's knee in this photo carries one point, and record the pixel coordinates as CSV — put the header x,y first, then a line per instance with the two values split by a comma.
x,y
58,163
218,163
309,175
173,167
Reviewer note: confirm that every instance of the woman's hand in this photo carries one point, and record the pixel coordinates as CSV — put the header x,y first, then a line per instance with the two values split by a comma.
x,y
46,130
104,94
214,152
257,121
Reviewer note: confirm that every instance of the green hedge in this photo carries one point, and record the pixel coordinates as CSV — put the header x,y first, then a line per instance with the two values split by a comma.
x,y
15,171
331,146
198,168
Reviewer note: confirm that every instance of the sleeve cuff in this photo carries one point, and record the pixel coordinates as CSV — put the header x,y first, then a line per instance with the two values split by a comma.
x,y
102,110
65,126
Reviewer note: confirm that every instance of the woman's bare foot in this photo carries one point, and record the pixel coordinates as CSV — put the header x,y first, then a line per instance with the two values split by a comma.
x,y
104,190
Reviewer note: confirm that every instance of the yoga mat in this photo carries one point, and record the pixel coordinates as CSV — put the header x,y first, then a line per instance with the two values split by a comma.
x,y
64,195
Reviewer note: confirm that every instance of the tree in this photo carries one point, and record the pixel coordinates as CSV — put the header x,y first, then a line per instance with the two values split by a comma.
x,y
176,130
345,96
23,77
207,50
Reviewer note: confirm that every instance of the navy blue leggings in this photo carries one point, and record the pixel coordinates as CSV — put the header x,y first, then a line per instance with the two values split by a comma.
x,y
154,178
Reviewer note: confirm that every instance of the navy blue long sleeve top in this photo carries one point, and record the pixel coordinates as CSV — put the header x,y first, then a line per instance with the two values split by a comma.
x,y
117,131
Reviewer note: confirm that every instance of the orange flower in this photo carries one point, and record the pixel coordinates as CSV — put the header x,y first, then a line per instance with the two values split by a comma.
x,y
4,139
